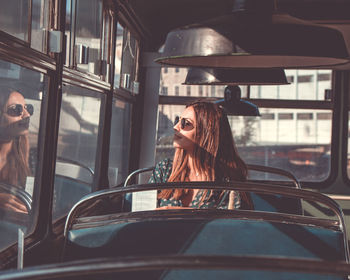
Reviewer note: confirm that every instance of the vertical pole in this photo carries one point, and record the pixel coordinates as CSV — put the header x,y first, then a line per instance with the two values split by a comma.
x,y
20,249
148,200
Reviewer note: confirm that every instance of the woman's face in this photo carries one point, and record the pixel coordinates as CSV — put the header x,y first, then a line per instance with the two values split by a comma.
x,y
185,130
16,116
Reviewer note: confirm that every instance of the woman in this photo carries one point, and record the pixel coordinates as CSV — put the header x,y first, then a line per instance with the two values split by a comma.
x,y
14,144
204,151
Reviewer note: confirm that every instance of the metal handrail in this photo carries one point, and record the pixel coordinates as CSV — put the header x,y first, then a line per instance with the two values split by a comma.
x,y
235,186
254,167
274,170
134,173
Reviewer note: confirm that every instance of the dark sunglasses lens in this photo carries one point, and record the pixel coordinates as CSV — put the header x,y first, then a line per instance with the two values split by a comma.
x,y
30,109
15,111
183,123
177,118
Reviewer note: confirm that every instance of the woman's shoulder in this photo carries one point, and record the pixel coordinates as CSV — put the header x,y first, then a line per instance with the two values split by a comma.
x,y
164,164
161,171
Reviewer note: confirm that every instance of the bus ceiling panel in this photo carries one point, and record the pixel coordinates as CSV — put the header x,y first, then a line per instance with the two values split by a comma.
x,y
158,17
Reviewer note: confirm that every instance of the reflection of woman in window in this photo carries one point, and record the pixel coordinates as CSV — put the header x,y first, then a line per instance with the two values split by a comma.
x,y
204,151
14,144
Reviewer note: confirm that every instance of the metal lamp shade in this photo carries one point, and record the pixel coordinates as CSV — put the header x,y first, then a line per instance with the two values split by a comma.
x,y
220,76
283,42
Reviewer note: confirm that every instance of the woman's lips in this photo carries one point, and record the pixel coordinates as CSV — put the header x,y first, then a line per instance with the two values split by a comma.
x,y
24,123
177,136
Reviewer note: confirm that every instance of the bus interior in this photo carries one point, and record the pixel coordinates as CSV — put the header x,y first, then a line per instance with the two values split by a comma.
x,y
103,82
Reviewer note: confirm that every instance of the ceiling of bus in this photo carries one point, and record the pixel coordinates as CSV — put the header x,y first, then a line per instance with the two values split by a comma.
x,y
158,17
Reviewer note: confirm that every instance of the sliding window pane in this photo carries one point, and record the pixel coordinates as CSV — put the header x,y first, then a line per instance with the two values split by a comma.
x,y
77,146
23,94
14,18
88,35
40,22
120,142
118,55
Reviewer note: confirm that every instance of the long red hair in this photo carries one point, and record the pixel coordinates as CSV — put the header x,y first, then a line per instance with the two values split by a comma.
x,y
215,152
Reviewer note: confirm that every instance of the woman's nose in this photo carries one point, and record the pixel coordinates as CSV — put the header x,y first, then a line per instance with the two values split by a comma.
x,y
177,126
25,113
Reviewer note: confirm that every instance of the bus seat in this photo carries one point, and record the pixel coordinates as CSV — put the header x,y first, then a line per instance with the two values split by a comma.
x,y
66,193
198,237
276,203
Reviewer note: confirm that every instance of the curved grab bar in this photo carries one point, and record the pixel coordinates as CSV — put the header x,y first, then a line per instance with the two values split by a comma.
x,y
134,173
254,167
274,170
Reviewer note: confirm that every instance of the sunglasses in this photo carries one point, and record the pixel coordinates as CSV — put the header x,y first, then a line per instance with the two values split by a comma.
x,y
184,123
16,110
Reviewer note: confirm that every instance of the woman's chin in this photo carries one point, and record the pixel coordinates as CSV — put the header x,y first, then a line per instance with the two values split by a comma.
x,y
176,145
24,132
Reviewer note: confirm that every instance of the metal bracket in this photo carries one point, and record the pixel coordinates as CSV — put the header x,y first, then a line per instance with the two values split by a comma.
x,y
55,41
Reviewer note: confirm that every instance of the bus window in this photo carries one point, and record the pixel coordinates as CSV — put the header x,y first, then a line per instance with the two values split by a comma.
x,y
40,21
129,67
76,147
282,138
22,92
88,34
27,20
119,142
279,138
118,55
14,19
171,77
304,85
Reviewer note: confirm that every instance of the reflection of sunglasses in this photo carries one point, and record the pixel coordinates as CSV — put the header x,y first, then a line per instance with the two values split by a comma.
x,y
184,124
16,110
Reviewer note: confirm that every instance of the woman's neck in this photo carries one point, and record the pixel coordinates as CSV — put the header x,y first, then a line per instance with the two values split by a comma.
x,y
194,173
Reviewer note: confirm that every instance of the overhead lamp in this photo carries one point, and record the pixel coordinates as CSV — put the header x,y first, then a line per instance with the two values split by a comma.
x,y
221,76
234,105
242,41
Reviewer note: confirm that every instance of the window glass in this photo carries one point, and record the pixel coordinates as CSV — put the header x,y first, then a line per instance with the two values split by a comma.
x,y
22,93
14,18
297,140
130,53
175,77
106,50
304,85
70,8
88,35
119,142
118,55
76,147
40,14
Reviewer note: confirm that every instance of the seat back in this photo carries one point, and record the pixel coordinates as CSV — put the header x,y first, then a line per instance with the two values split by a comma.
x,y
206,231
221,236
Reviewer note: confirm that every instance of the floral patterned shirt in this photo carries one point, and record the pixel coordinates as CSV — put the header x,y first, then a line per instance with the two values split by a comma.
x,y
161,174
